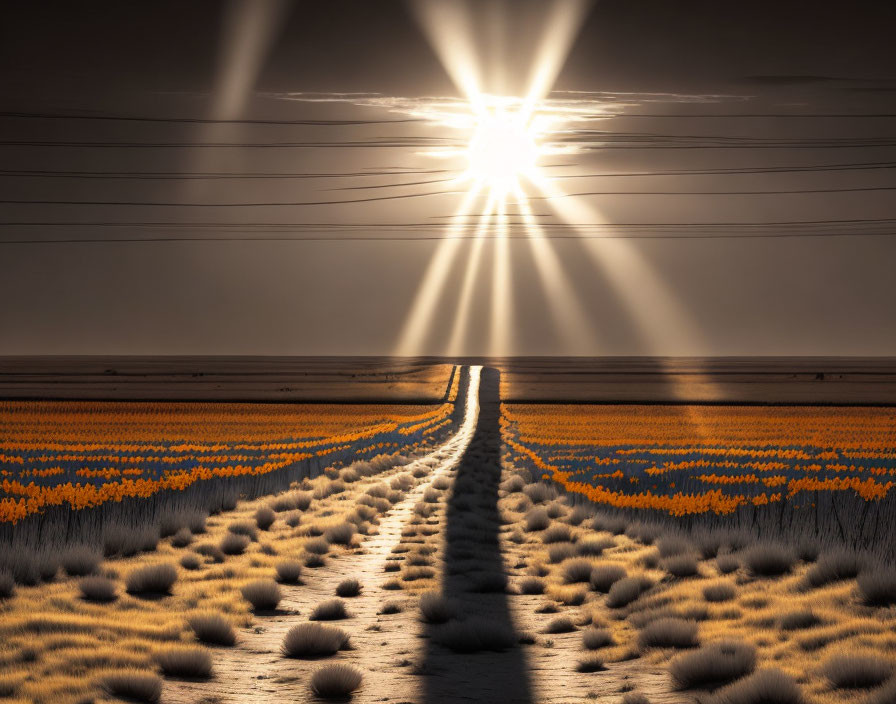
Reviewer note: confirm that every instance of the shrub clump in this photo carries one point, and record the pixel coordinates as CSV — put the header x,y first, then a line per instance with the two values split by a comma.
x,y
682,565
605,576
559,533
594,547
768,560
7,585
834,566
537,519
263,594
720,591
475,635
133,685
797,620
335,681
265,517
435,608
348,588
152,579
577,571
625,591
713,665
340,534
594,638
856,671
330,610
80,561
762,687
670,632
531,585
234,544
212,628
561,624
185,661
101,589
313,640
878,588
289,571
590,664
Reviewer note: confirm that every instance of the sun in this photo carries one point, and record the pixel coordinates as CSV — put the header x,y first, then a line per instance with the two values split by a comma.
x,y
502,151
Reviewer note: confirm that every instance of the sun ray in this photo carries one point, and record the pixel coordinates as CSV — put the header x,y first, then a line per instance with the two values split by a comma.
x,y
413,333
501,324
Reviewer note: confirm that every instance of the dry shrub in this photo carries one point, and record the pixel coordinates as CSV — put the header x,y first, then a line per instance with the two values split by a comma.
x,y
559,533
243,528
762,687
798,620
391,607
594,638
314,560
713,665
80,560
834,566
182,538
513,485
317,546
885,695
625,591
594,547
152,579
668,633
476,635
768,560
233,544
348,588
673,545
101,589
681,566
488,583
576,571
539,493
132,685
7,586
263,594
603,577
592,663
537,519
720,591
560,552
212,628
185,662
411,574
578,515
335,681
435,608
634,698
846,671
330,610
432,495
289,571
211,551
340,534
391,585
531,585
727,563
878,587
293,520
309,640
265,517
562,624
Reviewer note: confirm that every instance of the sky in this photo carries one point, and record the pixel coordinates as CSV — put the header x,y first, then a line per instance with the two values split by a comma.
x,y
291,178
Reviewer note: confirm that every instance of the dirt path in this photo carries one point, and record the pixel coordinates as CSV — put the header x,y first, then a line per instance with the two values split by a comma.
x,y
400,657
385,647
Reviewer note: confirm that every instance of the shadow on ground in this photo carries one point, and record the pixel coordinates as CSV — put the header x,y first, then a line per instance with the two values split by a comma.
x,y
484,662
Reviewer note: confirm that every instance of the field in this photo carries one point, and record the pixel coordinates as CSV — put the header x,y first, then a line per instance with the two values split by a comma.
x,y
466,549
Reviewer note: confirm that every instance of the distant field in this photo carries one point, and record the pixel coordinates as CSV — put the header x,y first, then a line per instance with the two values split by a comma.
x,y
682,460
83,454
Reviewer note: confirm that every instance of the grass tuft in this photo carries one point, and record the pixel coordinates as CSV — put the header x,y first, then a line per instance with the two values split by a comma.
x,y
762,687
435,608
561,624
100,589
834,566
263,594
847,671
289,571
335,681
713,665
152,579
348,588
132,685
668,632
212,628
768,560
265,517
185,662
878,588
330,610
313,640
720,591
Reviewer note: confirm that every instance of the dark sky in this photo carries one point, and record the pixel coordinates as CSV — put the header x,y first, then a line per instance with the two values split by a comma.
x,y
781,243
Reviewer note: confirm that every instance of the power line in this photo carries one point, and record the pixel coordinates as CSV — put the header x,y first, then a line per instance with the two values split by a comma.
x,y
199,120
272,204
